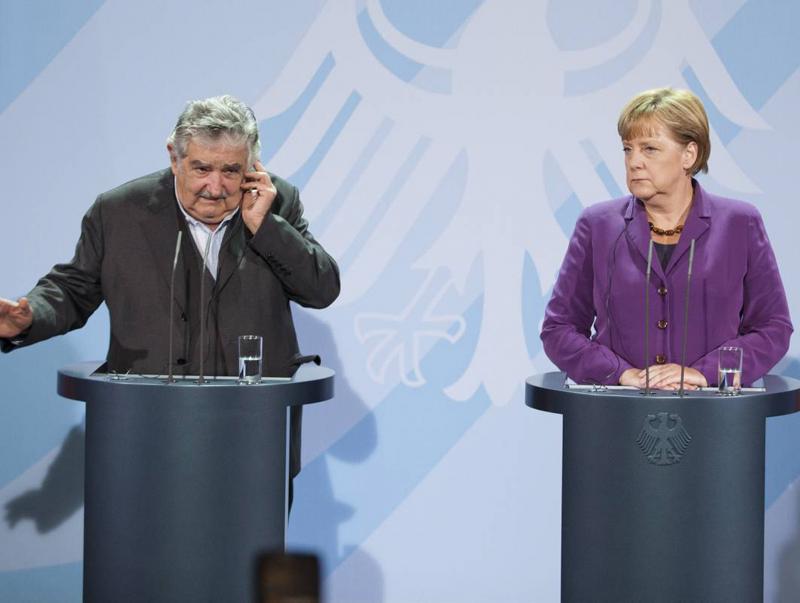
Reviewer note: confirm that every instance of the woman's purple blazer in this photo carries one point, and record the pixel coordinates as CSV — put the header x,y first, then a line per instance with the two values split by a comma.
x,y
594,323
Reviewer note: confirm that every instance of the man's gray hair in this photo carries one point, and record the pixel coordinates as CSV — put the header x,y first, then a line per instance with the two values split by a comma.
x,y
213,119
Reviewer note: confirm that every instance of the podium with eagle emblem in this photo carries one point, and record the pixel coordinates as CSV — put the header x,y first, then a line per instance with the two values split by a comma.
x,y
662,495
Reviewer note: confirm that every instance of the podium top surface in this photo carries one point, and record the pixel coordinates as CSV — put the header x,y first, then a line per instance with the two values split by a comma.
x,y
309,384
548,392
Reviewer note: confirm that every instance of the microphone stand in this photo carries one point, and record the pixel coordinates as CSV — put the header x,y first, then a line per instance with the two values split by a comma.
x,y
201,379
647,319
686,315
171,377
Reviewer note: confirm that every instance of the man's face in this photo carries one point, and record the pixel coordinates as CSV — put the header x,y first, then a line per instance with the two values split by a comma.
x,y
209,177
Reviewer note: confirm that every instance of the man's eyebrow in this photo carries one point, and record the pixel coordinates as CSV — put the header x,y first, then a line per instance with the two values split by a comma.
x,y
198,163
236,167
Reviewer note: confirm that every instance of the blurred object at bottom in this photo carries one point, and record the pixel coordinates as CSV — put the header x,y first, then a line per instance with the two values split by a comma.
x,y
289,578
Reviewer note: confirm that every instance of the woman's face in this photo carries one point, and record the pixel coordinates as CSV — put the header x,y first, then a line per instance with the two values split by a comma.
x,y
656,165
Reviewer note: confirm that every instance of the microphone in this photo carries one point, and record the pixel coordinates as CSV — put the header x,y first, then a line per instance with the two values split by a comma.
x,y
201,378
686,315
647,319
171,378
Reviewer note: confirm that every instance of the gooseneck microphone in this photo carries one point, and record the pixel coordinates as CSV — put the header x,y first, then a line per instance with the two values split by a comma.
x,y
647,319
201,378
686,315
171,378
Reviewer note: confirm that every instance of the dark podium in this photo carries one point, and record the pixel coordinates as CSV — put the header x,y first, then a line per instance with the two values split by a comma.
x,y
185,484
662,496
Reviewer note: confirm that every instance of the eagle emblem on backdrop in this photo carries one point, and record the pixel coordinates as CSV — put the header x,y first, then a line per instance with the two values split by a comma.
x,y
532,118
663,438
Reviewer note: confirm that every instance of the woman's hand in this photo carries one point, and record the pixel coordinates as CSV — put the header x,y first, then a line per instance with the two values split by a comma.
x,y
664,376
630,377
668,376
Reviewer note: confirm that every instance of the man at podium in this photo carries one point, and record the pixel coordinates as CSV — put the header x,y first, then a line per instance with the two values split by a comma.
x,y
242,223
735,291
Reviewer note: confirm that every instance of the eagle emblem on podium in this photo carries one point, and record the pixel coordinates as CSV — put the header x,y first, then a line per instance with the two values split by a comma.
x,y
663,438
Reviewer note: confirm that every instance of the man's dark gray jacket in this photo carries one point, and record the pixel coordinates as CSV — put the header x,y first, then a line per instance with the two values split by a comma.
x,y
124,258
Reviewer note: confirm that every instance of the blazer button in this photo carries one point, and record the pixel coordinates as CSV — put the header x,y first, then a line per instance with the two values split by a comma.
x,y
660,359
183,317
662,324
180,361
662,290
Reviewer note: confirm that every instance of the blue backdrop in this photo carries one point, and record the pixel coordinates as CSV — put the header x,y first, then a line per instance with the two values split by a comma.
x,y
444,150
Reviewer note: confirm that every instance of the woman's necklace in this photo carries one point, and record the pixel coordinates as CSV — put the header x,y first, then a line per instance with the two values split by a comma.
x,y
670,232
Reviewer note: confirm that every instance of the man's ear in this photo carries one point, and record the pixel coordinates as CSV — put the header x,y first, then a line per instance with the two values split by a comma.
x,y
173,156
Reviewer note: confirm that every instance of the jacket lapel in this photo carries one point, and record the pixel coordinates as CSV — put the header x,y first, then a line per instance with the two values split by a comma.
x,y
231,252
639,235
160,226
697,223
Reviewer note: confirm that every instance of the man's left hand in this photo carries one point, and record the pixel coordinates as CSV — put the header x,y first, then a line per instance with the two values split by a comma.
x,y
258,195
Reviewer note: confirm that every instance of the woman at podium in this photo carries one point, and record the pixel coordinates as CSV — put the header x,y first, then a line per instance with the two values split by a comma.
x,y
595,324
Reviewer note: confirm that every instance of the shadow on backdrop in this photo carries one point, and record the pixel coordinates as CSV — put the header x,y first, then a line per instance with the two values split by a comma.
x,y
789,560
38,418
61,492
317,514
789,564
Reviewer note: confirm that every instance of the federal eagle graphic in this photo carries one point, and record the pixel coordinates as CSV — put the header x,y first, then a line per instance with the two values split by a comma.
x,y
515,105
663,438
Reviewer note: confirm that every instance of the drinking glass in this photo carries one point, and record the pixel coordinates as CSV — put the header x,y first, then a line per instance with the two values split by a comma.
x,y
730,370
250,349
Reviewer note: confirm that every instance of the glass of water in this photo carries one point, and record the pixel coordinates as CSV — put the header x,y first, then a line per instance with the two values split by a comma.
x,y
250,348
730,370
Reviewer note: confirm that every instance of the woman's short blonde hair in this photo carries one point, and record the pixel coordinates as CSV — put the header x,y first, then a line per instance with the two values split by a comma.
x,y
680,111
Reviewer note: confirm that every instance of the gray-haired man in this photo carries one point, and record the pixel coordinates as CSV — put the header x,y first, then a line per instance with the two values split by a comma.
x,y
249,223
